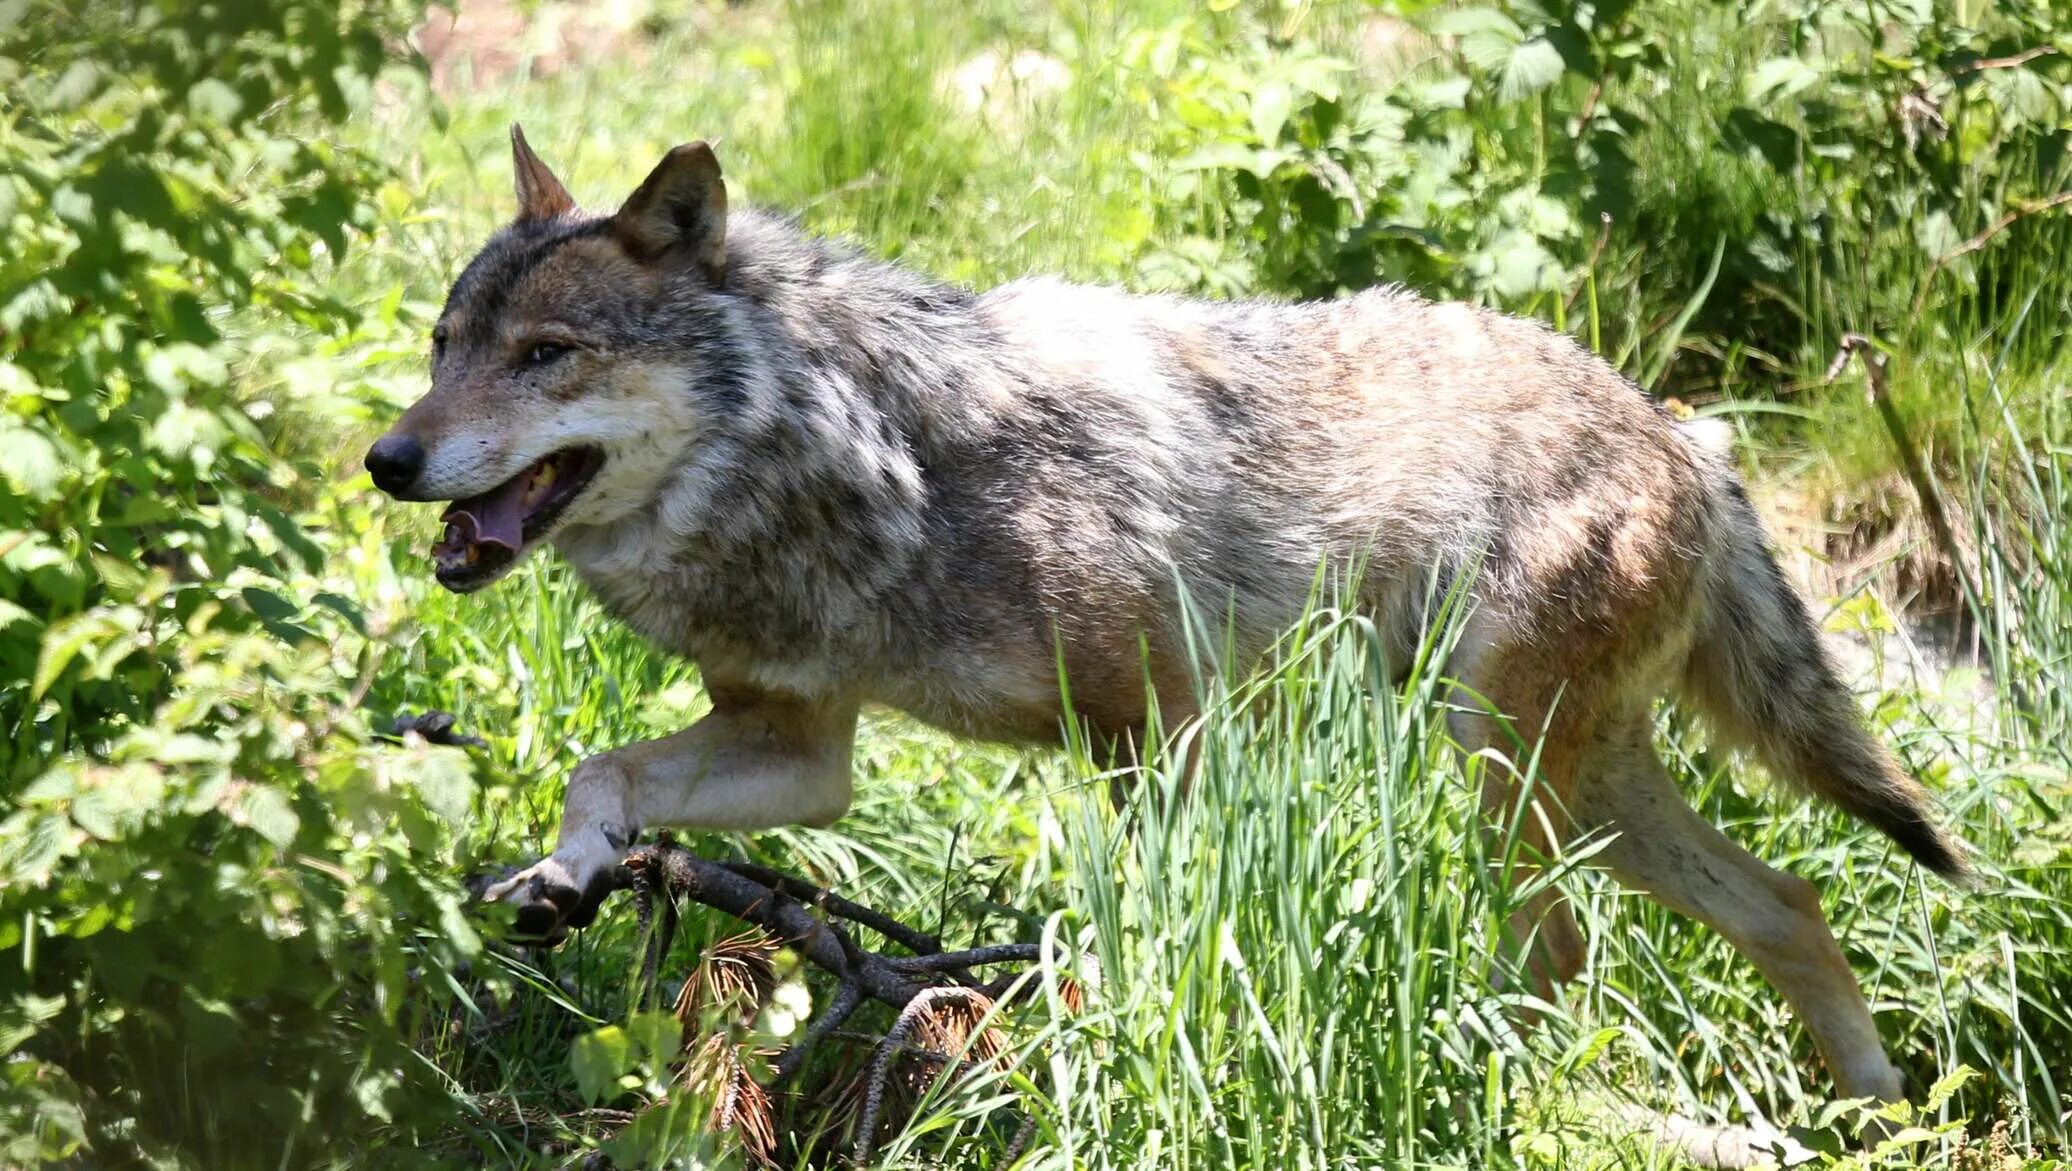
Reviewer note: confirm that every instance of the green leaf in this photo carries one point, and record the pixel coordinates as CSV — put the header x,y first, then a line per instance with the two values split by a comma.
x,y
1216,156
600,1059
118,800
1486,36
458,929
1779,77
1532,67
19,1020
269,605
372,1092
1946,1086
1585,1051
446,785
1463,22
1521,265
16,382
30,462
10,613
1270,108
181,430
32,846
338,604
2024,97
270,814
62,643
76,86
659,1036
213,99
291,537
1936,234
1443,93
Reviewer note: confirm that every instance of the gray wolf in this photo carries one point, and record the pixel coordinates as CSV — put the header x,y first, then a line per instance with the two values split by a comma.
x,y
829,481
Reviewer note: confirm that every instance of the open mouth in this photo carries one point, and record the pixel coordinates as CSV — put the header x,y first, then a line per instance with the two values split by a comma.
x,y
484,534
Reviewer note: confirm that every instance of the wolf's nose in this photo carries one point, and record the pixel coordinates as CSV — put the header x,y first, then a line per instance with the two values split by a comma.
x,y
395,461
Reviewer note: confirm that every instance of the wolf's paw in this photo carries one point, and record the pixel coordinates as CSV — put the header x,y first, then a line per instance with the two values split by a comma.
x,y
552,900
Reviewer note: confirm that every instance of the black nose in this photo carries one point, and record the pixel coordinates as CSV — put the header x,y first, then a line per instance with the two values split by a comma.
x,y
395,461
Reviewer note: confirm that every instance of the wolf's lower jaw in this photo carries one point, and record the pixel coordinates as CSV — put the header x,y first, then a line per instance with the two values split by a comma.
x,y
486,535
472,578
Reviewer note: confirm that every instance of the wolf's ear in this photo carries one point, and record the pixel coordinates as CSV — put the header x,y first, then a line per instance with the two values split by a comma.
x,y
680,209
540,195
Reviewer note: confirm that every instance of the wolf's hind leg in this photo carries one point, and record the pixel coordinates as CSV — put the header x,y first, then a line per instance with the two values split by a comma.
x,y
1665,850
755,761
1557,948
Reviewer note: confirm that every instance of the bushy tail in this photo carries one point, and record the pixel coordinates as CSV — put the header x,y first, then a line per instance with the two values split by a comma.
x,y
1759,676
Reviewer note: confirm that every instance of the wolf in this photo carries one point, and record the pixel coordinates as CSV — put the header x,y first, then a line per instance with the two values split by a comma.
x,y
829,481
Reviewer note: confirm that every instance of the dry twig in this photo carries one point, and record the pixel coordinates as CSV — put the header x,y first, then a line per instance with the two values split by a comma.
x,y
2007,219
2012,61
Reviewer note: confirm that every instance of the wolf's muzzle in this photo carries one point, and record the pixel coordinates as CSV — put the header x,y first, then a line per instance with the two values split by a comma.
x,y
395,462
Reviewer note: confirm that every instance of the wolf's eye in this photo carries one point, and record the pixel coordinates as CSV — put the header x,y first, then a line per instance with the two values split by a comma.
x,y
544,353
438,343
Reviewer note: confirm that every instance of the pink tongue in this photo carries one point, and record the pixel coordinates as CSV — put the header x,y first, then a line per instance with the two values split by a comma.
x,y
496,517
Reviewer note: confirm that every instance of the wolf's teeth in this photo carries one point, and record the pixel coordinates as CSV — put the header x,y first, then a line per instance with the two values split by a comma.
x,y
542,481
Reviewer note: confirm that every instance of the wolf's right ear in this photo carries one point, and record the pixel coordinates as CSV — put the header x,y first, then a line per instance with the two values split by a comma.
x,y
540,195
681,209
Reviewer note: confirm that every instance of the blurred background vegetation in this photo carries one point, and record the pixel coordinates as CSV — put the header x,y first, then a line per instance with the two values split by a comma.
x,y
231,927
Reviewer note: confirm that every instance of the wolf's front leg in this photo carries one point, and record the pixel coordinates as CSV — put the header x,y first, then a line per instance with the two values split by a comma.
x,y
758,760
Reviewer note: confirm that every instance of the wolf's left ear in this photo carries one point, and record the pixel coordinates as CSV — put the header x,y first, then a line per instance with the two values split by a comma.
x,y
540,195
680,209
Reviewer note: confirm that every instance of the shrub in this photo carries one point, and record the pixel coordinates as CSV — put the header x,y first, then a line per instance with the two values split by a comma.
x,y
1849,163
207,895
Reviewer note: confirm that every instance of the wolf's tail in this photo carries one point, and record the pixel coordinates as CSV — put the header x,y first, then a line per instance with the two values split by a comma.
x,y
1759,676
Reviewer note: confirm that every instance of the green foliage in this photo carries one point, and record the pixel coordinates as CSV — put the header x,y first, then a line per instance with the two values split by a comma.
x,y
1292,172
1494,157
229,931
215,899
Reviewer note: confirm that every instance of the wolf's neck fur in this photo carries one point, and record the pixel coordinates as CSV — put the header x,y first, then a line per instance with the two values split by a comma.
x,y
787,523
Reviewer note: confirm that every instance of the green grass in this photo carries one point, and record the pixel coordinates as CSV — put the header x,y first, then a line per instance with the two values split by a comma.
x,y
1293,966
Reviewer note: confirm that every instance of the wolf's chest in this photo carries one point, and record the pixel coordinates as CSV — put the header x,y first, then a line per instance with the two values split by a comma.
x,y
732,634
750,639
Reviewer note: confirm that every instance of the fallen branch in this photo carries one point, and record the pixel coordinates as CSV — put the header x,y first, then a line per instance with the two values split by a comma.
x,y
784,907
667,868
924,988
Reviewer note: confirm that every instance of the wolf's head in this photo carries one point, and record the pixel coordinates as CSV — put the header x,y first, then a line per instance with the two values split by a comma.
x,y
571,368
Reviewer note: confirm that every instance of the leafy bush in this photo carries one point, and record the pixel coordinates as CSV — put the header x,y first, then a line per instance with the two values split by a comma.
x,y
1516,147
1446,170
208,897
